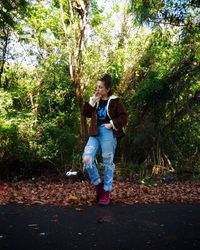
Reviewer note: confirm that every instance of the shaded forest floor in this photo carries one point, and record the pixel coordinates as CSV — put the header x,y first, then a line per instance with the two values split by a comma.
x,y
62,192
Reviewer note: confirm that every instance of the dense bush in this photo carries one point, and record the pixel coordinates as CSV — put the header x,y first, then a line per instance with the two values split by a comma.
x,y
163,131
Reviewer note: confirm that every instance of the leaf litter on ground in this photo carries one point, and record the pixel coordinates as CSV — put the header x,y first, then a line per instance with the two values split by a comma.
x,y
78,193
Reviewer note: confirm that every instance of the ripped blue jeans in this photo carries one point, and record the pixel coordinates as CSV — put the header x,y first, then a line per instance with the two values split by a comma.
x,y
107,142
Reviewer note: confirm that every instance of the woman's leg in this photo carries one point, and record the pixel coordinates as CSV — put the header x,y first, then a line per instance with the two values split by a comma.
x,y
108,145
89,156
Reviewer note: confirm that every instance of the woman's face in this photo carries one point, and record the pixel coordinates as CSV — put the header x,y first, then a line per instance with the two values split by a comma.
x,y
101,89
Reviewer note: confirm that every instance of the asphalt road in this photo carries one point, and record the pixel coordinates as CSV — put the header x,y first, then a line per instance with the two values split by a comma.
x,y
167,226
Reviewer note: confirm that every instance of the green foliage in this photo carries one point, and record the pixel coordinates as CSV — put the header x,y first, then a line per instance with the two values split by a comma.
x,y
171,11
115,70
56,143
8,10
164,110
6,103
95,16
39,118
145,10
15,142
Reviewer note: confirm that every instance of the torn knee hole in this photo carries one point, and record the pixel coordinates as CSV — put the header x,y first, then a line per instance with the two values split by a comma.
x,y
86,159
107,159
107,155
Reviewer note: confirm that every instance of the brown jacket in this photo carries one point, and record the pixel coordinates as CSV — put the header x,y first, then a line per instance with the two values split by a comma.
x,y
116,111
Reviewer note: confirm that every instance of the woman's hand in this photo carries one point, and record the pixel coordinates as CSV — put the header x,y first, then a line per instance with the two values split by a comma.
x,y
93,99
107,125
96,96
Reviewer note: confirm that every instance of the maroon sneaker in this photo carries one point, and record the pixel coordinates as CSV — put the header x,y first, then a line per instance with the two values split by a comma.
x,y
104,198
99,189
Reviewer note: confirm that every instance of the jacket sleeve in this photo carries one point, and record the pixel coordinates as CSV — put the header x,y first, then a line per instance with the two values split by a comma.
x,y
121,118
89,107
87,110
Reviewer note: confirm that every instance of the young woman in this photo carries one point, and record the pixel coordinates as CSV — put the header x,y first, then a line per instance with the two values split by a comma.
x,y
108,117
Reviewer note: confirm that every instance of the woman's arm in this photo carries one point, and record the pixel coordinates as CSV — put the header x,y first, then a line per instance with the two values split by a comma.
x,y
88,107
121,118
87,110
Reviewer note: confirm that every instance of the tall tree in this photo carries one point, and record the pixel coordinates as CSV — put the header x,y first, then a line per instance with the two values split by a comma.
x,y
77,14
9,12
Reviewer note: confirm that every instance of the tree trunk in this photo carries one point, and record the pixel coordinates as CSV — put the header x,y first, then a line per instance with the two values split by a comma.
x,y
83,122
4,51
78,12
